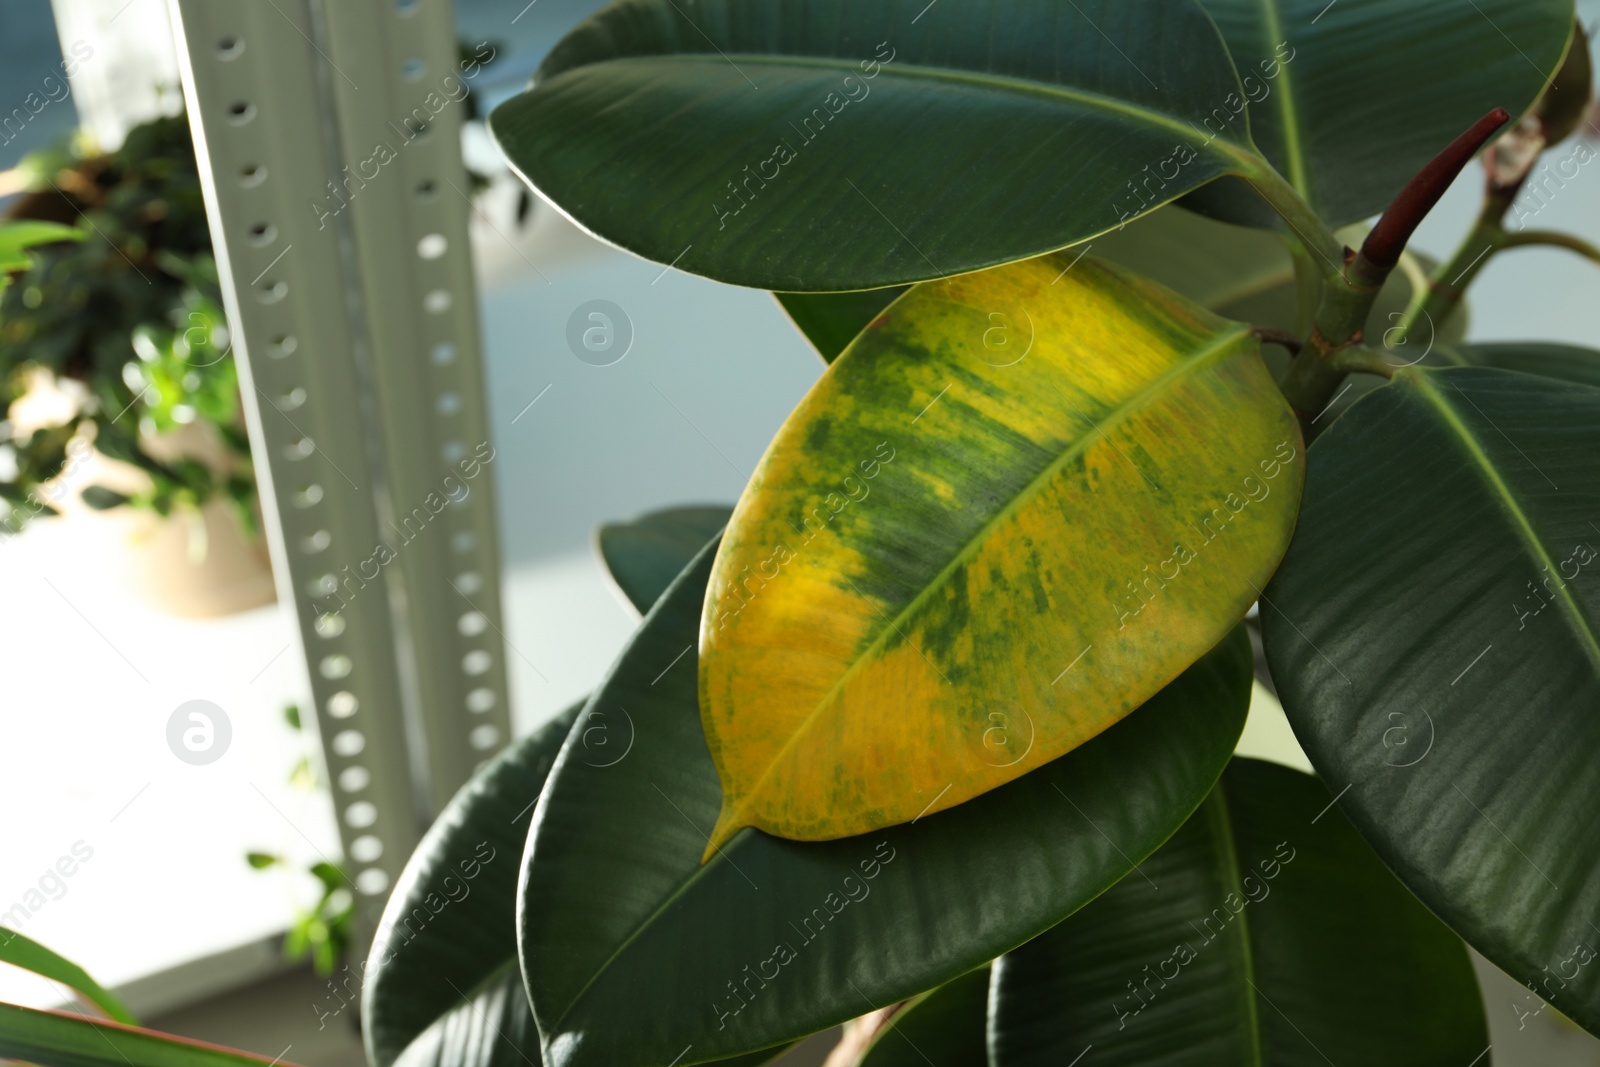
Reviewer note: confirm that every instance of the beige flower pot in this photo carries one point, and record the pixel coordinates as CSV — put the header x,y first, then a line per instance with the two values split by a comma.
x,y
196,565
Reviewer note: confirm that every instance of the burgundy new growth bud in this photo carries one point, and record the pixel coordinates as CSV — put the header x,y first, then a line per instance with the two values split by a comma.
x,y
1381,250
1383,247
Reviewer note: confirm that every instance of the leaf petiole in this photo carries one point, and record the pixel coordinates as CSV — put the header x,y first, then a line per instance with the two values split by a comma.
x,y
1326,250
1365,360
1285,338
1552,239
1350,292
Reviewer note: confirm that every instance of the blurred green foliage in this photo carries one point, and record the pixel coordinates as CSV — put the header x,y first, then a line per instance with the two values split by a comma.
x,y
125,323
322,931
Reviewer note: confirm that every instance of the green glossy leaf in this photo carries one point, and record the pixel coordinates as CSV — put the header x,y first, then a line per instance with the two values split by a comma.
x,y
944,1028
22,951
1264,932
438,964
1432,634
1564,362
644,556
490,1026
56,1039
634,952
1026,492
1350,100
443,988
826,145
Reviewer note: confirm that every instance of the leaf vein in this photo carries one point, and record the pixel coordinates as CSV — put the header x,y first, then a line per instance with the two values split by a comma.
x,y
1521,525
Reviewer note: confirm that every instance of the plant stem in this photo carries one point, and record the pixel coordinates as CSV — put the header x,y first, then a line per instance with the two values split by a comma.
x,y
1438,300
1328,251
1275,336
1307,286
1527,238
1351,289
1323,290
1315,374
1488,236
1366,360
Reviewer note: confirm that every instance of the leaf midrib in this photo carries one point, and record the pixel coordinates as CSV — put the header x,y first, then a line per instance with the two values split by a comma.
x,y
1293,150
1228,853
1242,158
1521,525
644,924
1219,347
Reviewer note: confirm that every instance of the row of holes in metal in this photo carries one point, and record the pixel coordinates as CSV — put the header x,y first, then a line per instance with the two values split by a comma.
x,y
347,744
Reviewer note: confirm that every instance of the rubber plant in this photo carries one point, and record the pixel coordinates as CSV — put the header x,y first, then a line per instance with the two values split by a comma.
x,y
933,732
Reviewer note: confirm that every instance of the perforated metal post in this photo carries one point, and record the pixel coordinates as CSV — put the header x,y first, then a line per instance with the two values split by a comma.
x,y
328,138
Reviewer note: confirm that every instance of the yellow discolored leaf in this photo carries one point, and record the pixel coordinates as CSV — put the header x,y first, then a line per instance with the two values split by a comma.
x,y
1016,507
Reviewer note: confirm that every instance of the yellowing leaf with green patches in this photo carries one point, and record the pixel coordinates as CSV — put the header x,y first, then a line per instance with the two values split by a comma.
x,y
1015,508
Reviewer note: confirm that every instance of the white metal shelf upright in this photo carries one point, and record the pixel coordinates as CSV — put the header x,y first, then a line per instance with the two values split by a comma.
x,y
328,136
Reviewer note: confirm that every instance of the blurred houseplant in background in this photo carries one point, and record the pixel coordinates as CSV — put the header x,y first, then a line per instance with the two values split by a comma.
x,y
323,930
118,341
116,348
